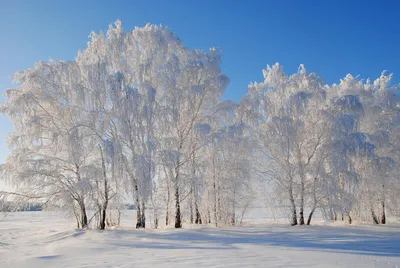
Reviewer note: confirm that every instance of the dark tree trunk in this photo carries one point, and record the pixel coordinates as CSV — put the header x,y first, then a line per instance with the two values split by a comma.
x,y
349,219
215,206
103,219
191,205
143,215
166,217
84,220
293,221
198,216
301,212
383,216
155,219
138,216
374,218
310,216
178,221
167,208
301,216
314,200
138,209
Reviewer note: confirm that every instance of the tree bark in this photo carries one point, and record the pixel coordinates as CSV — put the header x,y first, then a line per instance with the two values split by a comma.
x,y
383,216
138,208
167,207
143,215
310,216
178,222
301,212
198,216
374,218
191,204
84,220
103,219
294,216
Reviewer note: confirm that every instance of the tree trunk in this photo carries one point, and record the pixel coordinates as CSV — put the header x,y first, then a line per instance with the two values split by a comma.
x,y
374,218
215,206
138,208
383,216
310,216
191,204
198,216
106,197
103,219
166,217
315,202
84,220
178,222
233,219
294,216
155,219
143,215
167,208
301,213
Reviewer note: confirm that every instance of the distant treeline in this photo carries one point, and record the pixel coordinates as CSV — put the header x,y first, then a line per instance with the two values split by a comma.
x,y
9,206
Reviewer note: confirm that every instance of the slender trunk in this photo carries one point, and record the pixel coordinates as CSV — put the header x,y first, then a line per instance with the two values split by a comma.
x,y
302,187
215,195
215,205
155,218
143,215
103,219
81,202
310,216
294,216
138,208
233,219
349,219
198,216
374,218
106,197
167,206
191,204
315,202
178,222
301,212
383,216
84,220
166,217
119,217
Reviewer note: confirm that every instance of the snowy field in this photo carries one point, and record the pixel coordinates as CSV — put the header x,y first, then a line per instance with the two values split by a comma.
x,y
46,239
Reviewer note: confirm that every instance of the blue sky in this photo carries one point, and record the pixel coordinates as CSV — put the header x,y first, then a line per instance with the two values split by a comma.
x,y
332,38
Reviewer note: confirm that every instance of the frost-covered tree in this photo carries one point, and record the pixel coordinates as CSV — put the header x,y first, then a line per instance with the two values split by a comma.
x,y
288,113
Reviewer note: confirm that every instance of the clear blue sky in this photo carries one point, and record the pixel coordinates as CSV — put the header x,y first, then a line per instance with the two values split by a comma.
x,y
332,38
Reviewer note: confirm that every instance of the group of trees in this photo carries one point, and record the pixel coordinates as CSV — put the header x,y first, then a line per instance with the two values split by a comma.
x,y
137,115
330,147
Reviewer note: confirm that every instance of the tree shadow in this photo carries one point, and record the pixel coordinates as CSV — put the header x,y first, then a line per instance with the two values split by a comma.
x,y
316,238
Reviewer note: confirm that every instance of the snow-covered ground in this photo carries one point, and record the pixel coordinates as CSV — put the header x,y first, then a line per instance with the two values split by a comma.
x,y
46,239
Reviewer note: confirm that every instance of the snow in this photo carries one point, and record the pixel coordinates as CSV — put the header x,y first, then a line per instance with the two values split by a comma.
x,y
46,239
